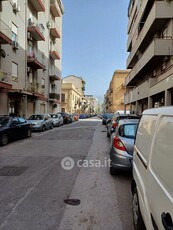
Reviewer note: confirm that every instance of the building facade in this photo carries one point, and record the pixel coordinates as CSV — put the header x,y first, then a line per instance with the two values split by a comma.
x,y
114,97
72,95
150,47
30,56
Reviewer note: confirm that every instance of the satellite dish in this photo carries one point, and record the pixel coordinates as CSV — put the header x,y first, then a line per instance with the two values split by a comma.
x,y
2,53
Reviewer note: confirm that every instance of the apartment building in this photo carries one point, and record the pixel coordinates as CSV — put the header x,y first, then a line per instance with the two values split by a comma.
x,y
150,47
30,56
72,95
114,97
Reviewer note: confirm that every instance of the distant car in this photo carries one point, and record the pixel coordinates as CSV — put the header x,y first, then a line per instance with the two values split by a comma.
x,y
122,144
66,117
106,116
112,123
13,128
82,116
57,120
41,122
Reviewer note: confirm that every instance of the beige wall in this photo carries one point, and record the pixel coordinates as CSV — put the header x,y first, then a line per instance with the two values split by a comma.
x,y
20,92
115,93
72,98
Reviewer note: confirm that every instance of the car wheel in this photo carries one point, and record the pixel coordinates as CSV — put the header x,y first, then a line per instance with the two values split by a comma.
x,y
113,171
29,133
4,140
137,217
43,128
51,127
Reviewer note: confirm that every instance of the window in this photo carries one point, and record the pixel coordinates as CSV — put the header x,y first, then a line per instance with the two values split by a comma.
x,y
14,32
42,83
128,130
14,71
63,97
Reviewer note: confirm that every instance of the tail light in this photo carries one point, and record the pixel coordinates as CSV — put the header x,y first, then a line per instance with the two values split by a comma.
x,y
114,125
118,144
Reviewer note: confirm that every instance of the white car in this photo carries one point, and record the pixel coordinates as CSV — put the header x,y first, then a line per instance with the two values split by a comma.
x,y
41,122
57,120
152,184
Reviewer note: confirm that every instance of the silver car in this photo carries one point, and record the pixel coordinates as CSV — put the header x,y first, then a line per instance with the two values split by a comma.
x,y
41,122
122,143
57,119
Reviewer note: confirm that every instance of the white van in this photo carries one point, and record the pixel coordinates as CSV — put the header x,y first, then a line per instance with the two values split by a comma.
x,y
152,184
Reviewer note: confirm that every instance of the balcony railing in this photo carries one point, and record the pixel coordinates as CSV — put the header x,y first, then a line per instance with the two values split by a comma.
x,y
54,30
54,96
35,88
5,80
54,54
39,5
54,73
5,33
36,29
157,48
36,59
54,8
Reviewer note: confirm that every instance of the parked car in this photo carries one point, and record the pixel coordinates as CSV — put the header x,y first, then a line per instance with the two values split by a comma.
x,y
41,122
152,184
112,123
66,117
122,144
57,119
106,116
13,128
75,116
82,116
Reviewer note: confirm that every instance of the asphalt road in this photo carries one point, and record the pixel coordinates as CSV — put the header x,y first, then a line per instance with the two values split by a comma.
x,y
34,200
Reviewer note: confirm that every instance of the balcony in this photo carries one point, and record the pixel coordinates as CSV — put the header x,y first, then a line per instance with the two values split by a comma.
x,y
36,89
54,54
5,80
159,14
54,30
54,73
36,30
5,33
137,93
152,55
54,97
54,8
36,59
39,5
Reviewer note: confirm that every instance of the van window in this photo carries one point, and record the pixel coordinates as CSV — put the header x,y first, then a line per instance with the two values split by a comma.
x,y
162,152
144,134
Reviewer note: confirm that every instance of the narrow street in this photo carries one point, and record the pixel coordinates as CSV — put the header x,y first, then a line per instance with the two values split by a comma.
x,y
34,200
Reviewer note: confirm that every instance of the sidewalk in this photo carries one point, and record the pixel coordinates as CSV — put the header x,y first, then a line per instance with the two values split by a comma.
x,y
95,188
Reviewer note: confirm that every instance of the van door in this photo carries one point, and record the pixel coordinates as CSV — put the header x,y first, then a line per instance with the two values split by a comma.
x,y
159,181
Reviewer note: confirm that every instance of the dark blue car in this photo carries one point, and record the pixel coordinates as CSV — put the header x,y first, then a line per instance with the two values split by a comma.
x,y
13,128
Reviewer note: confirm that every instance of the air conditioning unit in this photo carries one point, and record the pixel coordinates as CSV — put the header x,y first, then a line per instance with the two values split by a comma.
x,y
16,8
15,45
28,69
29,36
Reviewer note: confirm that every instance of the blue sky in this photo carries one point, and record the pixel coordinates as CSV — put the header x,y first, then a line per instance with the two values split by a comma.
x,y
94,41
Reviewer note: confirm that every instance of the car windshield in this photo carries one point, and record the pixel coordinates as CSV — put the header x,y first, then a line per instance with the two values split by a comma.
x,y
107,115
36,117
4,121
128,130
